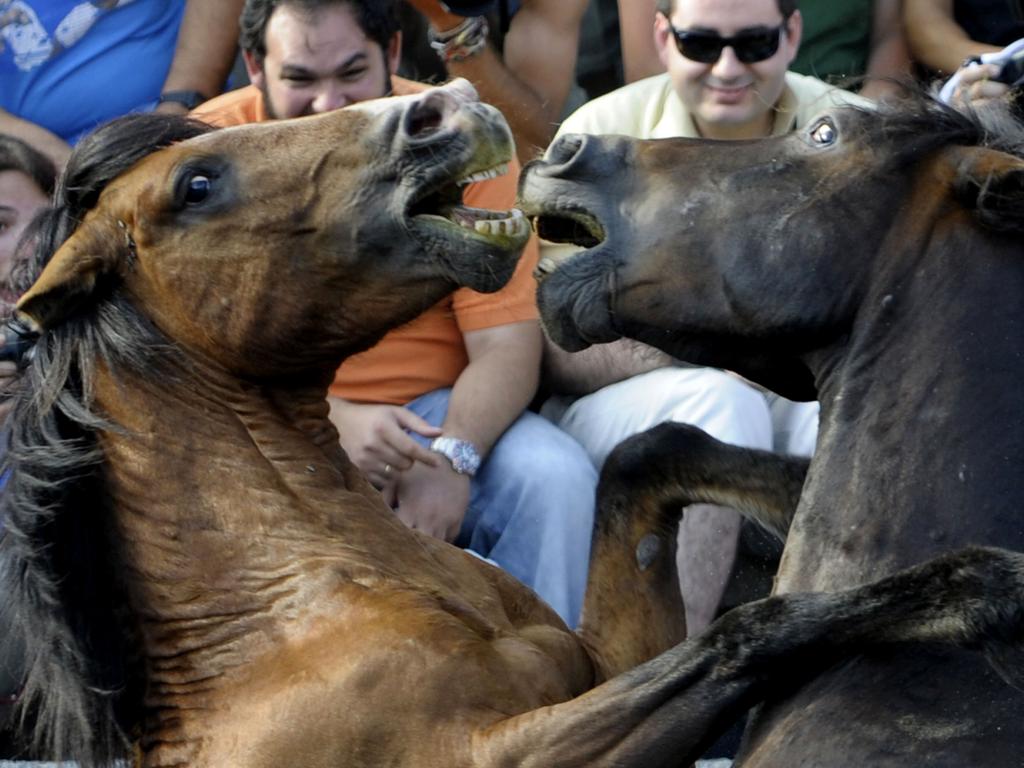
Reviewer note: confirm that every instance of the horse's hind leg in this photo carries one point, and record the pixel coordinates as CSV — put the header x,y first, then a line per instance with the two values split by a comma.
x,y
666,711
633,609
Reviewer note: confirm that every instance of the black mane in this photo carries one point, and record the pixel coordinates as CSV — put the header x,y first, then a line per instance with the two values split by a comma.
x,y
63,601
919,124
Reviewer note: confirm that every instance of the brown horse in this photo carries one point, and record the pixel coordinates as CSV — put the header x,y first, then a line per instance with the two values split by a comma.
x,y
197,568
873,261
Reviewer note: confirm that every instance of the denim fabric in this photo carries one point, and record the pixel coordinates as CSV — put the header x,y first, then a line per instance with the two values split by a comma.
x,y
531,507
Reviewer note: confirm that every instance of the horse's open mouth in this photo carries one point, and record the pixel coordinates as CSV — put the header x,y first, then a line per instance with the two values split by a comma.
x,y
443,206
567,227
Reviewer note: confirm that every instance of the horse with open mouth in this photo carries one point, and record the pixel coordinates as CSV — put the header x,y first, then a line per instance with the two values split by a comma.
x,y
198,572
872,261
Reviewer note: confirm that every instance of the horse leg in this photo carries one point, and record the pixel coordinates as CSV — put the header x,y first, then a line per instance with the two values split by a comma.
x,y
666,711
633,609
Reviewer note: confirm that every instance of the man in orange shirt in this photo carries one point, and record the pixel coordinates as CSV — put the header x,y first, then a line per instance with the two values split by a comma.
x,y
435,414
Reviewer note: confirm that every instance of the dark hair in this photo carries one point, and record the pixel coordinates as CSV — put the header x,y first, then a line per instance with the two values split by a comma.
x,y
377,18
64,600
786,7
16,155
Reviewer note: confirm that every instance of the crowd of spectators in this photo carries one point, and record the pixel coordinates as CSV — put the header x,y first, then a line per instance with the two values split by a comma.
x,y
439,414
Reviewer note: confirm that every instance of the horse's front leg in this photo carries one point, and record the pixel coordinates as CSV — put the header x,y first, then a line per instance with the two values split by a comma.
x,y
633,609
667,711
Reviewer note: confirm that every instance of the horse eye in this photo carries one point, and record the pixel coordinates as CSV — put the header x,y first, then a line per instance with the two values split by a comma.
x,y
824,134
198,189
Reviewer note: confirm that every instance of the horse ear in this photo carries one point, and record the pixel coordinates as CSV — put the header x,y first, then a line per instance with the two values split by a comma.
x,y
69,280
992,184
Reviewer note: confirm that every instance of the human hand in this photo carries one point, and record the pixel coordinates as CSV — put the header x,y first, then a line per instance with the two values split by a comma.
x,y
977,83
376,439
433,499
440,19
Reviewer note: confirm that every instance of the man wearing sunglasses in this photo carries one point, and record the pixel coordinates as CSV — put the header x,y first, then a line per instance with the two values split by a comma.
x,y
726,78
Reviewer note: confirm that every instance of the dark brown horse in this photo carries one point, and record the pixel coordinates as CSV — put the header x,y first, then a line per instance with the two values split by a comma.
x,y
873,261
196,567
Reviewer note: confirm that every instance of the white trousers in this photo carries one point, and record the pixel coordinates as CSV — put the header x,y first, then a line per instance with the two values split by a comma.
x,y
721,404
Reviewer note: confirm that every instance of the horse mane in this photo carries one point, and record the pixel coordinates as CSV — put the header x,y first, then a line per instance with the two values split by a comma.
x,y
918,124
64,602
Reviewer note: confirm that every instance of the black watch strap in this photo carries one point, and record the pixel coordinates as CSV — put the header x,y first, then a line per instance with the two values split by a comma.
x,y
188,99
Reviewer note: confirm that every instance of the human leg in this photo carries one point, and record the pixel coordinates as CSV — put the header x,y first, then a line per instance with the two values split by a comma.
x,y
531,507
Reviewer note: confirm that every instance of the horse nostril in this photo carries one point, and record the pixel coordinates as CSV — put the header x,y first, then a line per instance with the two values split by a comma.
x,y
426,115
564,149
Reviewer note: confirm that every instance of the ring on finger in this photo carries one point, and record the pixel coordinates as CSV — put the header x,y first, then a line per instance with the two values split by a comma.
x,y
387,469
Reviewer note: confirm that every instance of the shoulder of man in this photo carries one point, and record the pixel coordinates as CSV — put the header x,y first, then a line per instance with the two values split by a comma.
x,y
238,107
812,96
626,110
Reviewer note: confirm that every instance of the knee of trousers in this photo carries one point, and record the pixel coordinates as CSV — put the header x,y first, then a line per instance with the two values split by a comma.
x,y
727,409
544,466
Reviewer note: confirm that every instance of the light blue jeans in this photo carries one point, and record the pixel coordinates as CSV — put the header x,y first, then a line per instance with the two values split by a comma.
x,y
531,506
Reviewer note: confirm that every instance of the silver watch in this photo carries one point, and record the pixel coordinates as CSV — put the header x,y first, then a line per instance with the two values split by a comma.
x,y
462,454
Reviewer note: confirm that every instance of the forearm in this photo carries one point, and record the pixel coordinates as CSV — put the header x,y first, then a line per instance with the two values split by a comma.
x,y
207,46
494,389
580,373
47,142
532,118
636,34
935,39
890,58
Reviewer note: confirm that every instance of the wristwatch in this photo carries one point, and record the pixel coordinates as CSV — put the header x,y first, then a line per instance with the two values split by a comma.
x,y
188,99
462,454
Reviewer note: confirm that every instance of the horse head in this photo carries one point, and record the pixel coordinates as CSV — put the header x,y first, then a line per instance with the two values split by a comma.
x,y
263,236
749,255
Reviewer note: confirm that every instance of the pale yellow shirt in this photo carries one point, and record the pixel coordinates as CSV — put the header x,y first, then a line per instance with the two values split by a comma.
x,y
650,109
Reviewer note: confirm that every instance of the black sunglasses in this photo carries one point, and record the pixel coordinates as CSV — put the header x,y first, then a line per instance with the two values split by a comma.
x,y
751,46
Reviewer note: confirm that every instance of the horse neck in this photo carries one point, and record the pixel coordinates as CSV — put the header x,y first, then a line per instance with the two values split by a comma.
x,y
209,482
919,447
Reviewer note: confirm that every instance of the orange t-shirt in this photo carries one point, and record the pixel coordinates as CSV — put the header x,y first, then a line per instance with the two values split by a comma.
x,y
427,353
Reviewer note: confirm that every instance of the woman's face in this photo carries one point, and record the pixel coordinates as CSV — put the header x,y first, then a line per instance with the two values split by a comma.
x,y
20,200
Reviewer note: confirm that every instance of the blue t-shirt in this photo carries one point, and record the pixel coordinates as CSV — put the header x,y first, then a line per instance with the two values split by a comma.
x,y
70,65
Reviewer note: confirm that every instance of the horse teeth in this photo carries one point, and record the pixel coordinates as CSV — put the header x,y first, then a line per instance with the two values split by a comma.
x,y
513,225
490,173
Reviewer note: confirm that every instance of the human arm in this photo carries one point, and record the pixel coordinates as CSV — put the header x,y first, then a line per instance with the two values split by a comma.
x,y
531,83
636,34
491,392
206,49
45,141
935,39
597,366
889,59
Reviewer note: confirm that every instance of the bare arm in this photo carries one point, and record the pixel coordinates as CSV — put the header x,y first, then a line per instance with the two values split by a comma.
x,y
47,142
207,45
636,33
580,373
935,39
889,57
531,84
498,383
